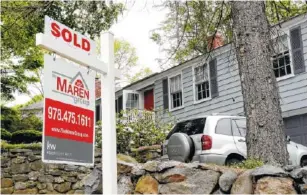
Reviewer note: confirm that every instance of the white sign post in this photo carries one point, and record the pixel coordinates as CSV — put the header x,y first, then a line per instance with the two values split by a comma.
x,y
108,116
74,46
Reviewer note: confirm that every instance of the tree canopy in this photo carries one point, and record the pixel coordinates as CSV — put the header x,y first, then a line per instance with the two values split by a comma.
x,y
185,31
21,20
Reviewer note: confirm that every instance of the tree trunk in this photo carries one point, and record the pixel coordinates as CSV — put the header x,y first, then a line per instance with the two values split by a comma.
x,y
265,137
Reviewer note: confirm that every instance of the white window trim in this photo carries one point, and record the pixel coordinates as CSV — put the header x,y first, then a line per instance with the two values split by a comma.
x,y
194,86
125,92
169,92
285,32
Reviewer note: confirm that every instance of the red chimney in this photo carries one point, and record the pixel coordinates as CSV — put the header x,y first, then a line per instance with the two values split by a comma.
x,y
217,41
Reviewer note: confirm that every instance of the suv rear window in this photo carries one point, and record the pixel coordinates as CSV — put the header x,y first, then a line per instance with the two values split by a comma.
x,y
189,127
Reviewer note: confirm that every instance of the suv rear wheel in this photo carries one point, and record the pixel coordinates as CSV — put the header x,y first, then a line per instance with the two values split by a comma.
x,y
233,159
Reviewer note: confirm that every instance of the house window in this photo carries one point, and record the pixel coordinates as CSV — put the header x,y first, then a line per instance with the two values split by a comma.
x,y
132,101
281,59
201,82
176,91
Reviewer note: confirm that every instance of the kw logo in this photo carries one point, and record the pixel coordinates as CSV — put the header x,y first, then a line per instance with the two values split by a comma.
x,y
51,146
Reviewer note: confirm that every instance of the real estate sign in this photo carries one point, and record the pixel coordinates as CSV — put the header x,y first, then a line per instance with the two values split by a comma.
x,y
68,113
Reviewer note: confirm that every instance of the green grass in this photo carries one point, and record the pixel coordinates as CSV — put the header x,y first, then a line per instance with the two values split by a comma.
x,y
33,146
249,164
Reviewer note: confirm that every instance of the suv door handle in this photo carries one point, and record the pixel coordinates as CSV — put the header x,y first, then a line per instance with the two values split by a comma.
x,y
241,140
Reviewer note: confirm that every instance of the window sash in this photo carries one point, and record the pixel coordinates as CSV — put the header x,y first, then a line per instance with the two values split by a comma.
x,y
176,99
132,101
175,84
201,73
202,90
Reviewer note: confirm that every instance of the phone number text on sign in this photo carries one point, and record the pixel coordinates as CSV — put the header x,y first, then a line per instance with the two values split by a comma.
x,y
68,116
72,121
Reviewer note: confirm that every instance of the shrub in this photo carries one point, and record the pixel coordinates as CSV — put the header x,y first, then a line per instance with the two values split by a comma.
x,y
26,136
5,135
249,164
32,146
31,121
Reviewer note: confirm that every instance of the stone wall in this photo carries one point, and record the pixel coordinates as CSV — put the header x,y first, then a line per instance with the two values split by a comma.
x,y
22,172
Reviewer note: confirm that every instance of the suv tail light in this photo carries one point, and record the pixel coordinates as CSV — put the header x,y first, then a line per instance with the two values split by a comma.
x,y
206,142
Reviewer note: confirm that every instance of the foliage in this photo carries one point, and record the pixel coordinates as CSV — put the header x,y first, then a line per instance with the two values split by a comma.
x,y
98,135
7,146
145,131
26,136
249,164
35,99
21,20
144,72
5,135
31,121
185,31
10,118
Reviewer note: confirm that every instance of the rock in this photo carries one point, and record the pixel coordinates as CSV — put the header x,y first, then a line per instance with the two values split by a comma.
x,y
290,168
299,173
48,192
124,167
58,180
55,172
18,160
274,185
26,191
20,177
5,183
124,185
32,158
147,185
70,179
6,170
243,184
303,188
269,170
45,179
151,166
137,170
81,176
206,179
6,175
5,162
71,192
83,169
9,190
20,186
77,185
31,184
33,175
93,182
176,174
79,192
41,186
14,151
63,187
50,187
36,165
226,180
126,158
20,168
167,165
218,191
70,168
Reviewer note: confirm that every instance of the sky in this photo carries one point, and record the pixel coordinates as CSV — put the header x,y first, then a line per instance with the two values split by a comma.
x,y
134,26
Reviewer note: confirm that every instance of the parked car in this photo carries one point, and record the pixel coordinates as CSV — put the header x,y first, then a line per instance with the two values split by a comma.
x,y
218,139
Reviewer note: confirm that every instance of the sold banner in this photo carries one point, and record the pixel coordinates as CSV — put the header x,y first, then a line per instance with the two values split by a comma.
x,y
69,122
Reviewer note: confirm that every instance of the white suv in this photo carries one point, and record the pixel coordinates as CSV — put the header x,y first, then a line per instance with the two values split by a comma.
x,y
218,139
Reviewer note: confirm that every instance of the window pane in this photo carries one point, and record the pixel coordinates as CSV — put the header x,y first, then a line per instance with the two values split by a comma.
x,y
223,127
190,127
239,127
288,68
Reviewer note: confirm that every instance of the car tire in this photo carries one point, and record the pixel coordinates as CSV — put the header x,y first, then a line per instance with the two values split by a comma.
x,y
232,161
180,147
304,162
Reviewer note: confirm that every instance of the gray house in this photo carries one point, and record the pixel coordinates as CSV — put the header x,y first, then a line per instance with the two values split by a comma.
x,y
211,84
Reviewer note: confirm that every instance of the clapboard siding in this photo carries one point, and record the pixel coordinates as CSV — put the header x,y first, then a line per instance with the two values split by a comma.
x,y
293,90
